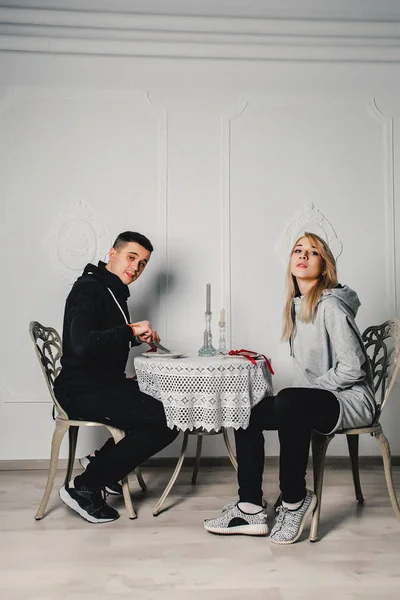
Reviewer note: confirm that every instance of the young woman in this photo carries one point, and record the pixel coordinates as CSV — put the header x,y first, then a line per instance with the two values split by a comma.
x,y
333,390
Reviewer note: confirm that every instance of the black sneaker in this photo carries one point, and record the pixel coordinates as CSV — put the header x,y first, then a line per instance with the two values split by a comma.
x,y
88,504
114,489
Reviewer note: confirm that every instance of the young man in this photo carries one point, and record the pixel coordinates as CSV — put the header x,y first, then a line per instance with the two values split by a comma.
x,y
92,386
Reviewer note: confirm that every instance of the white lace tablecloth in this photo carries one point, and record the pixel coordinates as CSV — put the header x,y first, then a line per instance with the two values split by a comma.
x,y
207,393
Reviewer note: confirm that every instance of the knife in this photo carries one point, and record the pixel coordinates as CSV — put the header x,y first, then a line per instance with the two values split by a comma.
x,y
160,347
157,345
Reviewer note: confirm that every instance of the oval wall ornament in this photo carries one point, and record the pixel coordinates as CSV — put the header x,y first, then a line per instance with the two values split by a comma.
x,y
77,237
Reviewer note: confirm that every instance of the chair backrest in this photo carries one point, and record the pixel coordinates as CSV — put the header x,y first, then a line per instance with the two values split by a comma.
x,y
48,347
382,343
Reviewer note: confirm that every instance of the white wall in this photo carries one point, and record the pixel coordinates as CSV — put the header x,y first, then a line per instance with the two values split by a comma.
x,y
217,160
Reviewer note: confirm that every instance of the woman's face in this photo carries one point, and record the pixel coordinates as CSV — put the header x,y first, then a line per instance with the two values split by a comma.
x,y
306,263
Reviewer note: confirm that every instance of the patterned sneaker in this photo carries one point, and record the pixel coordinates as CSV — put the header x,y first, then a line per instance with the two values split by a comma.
x,y
234,520
289,524
88,504
114,489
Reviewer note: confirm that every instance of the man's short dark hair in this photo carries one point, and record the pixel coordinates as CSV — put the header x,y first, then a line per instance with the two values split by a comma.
x,y
133,236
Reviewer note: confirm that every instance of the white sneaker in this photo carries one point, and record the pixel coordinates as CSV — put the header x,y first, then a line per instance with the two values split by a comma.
x,y
234,520
289,524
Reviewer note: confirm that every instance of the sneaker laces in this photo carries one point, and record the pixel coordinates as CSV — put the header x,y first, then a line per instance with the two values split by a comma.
x,y
98,496
281,513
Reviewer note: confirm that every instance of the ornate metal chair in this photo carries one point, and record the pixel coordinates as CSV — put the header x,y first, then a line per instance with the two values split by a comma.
x,y
383,346
48,349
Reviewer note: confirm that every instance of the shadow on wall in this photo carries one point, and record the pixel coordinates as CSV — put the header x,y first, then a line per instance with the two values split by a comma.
x,y
146,305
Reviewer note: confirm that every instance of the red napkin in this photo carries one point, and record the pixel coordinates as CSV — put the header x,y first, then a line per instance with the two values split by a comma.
x,y
250,354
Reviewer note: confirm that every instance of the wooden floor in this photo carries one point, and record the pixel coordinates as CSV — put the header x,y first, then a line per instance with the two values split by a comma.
x,y
172,557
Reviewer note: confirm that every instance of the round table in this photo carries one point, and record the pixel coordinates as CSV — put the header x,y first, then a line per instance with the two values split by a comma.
x,y
203,395
204,392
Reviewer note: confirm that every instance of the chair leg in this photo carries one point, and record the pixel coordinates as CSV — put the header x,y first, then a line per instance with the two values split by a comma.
x,y
352,443
387,464
59,432
127,499
118,435
320,445
199,446
157,508
140,479
231,455
73,438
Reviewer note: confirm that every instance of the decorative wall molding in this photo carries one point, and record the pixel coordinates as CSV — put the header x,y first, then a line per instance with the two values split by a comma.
x,y
309,218
77,238
11,396
79,223
159,35
15,93
162,204
388,176
43,464
226,271
339,10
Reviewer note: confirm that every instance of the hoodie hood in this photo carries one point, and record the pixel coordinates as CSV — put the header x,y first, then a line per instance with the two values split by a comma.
x,y
108,279
345,294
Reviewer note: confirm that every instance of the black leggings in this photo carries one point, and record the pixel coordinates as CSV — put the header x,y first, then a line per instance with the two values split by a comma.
x,y
140,416
294,412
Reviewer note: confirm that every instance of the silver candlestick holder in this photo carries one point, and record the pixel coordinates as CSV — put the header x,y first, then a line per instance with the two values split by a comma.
x,y
207,349
222,349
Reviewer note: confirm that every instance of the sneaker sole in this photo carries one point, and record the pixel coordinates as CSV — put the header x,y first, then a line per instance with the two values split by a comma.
x,y
240,529
66,498
308,512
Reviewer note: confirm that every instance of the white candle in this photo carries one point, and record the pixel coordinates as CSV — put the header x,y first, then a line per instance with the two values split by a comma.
x,y
208,297
222,317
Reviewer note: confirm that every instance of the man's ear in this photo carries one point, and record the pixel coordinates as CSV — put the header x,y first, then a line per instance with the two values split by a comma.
x,y
112,253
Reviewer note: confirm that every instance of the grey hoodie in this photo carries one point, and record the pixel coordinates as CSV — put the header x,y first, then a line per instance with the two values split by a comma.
x,y
329,354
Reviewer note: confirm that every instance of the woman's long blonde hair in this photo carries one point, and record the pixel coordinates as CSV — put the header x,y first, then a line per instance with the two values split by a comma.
x,y
328,279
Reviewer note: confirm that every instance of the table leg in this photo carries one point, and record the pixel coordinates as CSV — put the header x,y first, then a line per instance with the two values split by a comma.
x,y
157,508
229,448
198,457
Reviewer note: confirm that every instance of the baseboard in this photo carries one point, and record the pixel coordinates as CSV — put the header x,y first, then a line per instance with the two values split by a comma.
x,y
217,461
272,461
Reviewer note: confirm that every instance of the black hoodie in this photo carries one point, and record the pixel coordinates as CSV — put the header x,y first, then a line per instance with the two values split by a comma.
x,y
96,338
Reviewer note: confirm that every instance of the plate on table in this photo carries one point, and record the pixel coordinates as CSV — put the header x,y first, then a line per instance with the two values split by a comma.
x,y
163,354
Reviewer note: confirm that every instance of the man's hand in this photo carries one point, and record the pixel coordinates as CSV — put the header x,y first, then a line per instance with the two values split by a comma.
x,y
154,338
144,332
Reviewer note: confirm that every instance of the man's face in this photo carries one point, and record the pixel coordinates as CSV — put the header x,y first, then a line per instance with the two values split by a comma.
x,y
128,262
